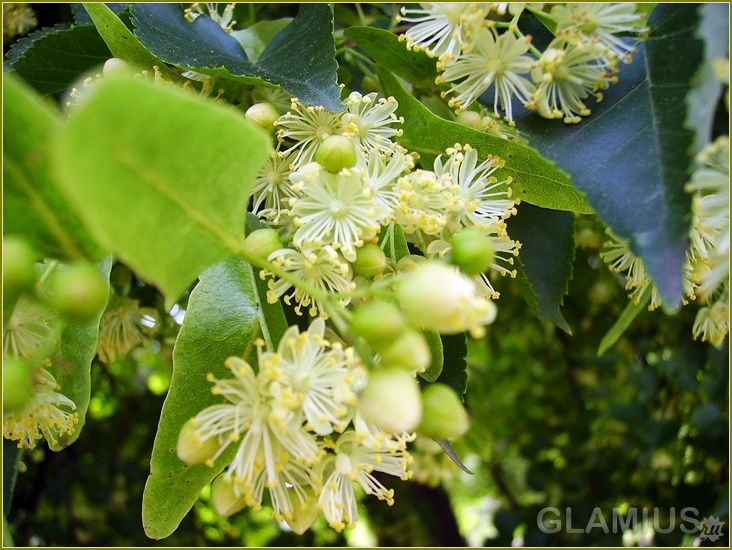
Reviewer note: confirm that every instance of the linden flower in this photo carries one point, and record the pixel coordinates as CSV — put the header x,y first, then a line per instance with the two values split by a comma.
x,y
483,200
597,24
494,60
272,191
567,74
352,462
122,327
424,202
369,121
621,259
712,322
322,269
308,127
224,20
334,209
28,327
383,173
441,27
42,415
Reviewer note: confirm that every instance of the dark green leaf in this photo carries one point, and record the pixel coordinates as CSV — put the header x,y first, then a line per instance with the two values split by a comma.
x,y
11,461
454,370
51,61
81,16
536,180
547,253
386,50
631,311
177,171
632,155
32,205
225,314
300,58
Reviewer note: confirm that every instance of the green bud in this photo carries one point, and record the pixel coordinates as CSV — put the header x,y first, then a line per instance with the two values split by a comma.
x,y
19,259
370,260
369,84
472,251
223,497
409,351
262,242
263,115
392,401
191,449
409,262
443,415
17,379
121,276
77,292
117,67
303,514
377,322
471,119
336,153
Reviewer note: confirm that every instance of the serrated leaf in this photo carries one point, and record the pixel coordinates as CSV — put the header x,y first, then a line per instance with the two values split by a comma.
x,y
536,180
224,314
72,358
547,253
177,172
631,157
631,311
120,40
32,205
386,50
300,58
81,16
52,60
455,367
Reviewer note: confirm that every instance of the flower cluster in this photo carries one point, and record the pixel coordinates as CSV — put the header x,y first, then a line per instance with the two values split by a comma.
x,y
479,50
706,271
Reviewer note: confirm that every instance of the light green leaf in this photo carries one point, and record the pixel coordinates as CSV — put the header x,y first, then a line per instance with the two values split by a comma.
x,y
161,177
438,359
254,39
393,242
630,312
536,180
226,312
32,205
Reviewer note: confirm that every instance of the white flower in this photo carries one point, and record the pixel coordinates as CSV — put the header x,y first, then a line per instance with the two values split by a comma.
x,y
425,202
597,24
441,27
621,259
27,329
224,20
566,74
308,127
272,191
494,60
712,321
369,122
122,327
483,200
383,173
322,269
42,415
335,209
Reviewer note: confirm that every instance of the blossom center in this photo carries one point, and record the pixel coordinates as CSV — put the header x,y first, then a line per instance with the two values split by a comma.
x,y
338,208
323,132
343,464
496,66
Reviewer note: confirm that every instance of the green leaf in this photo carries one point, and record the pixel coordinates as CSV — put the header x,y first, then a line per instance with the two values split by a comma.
x,y
52,60
631,311
455,367
32,205
166,190
536,180
300,58
547,253
224,315
631,157
72,358
393,242
11,460
120,40
438,357
254,39
386,50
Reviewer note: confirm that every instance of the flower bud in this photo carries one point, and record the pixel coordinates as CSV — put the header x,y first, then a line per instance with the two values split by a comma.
x,y
409,262
262,242
303,514
378,322
263,115
17,377
443,415
117,67
224,499
471,119
392,401
370,260
336,153
77,292
370,84
19,259
472,251
191,449
410,351
436,296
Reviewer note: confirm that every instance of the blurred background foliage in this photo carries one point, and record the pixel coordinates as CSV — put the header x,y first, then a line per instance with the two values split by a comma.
x,y
644,426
